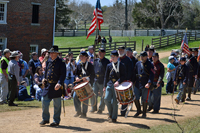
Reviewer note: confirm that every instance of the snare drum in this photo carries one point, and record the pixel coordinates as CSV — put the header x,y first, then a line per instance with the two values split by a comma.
x,y
124,93
83,91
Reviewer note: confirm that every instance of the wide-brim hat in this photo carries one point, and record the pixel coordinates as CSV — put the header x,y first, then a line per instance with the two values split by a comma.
x,y
14,54
54,49
6,51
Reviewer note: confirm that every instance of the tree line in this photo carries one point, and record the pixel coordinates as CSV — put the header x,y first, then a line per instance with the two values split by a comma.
x,y
151,14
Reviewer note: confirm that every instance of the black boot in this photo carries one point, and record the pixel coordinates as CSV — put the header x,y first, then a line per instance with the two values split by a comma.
x,y
144,104
137,104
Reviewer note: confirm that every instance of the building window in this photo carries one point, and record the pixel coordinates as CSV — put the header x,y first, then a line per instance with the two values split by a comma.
x,y
3,43
33,48
35,14
3,12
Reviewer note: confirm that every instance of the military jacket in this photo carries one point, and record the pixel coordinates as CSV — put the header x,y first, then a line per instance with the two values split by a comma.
x,y
55,72
100,69
144,74
111,76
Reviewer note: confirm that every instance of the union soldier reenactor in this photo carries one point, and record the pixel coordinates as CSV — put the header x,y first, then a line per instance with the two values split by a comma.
x,y
155,94
144,79
100,65
129,70
192,66
53,81
84,71
181,79
115,75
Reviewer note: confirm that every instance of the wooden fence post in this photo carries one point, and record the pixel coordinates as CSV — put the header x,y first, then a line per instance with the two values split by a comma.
x,y
115,45
134,45
135,32
109,32
63,32
160,41
142,44
69,49
125,44
175,38
195,35
167,40
147,32
73,32
85,32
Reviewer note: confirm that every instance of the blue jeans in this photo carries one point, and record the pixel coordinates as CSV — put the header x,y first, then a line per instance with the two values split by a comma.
x,y
142,92
45,109
69,81
98,87
32,90
77,104
169,86
111,102
155,98
29,99
182,91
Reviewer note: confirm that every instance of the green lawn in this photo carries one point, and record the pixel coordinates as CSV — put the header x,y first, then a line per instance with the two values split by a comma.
x,y
66,42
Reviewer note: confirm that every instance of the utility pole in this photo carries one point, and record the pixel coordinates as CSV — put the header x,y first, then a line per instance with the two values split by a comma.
x,y
126,15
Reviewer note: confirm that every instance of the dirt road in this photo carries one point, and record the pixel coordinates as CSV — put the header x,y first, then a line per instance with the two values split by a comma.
x,y
27,121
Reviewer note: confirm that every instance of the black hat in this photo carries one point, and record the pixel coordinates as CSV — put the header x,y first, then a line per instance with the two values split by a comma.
x,y
121,47
54,49
190,49
182,59
70,53
156,54
102,49
151,49
173,54
115,53
84,53
143,53
129,49
195,49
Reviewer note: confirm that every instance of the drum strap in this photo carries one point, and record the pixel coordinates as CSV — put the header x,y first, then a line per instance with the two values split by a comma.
x,y
116,69
83,71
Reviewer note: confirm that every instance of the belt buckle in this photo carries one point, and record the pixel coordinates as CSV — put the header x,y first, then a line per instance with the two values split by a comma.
x,y
113,80
140,75
97,75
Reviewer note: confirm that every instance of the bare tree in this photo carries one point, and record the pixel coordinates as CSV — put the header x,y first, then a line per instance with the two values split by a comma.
x,y
82,11
162,9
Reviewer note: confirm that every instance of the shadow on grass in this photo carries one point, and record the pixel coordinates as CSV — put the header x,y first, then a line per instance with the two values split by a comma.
x,y
72,128
27,105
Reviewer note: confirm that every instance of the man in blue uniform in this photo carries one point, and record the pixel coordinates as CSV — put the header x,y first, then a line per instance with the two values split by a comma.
x,y
144,79
84,69
192,65
155,95
129,53
115,75
150,53
100,65
129,70
55,74
196,87
181,79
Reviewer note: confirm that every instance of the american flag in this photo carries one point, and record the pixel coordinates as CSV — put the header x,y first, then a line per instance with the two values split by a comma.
x,y
184,45
98,16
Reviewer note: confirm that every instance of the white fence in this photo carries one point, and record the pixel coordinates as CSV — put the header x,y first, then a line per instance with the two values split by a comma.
x,y
128,33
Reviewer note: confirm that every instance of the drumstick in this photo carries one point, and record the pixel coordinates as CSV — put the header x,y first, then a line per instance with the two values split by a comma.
x,y
81,79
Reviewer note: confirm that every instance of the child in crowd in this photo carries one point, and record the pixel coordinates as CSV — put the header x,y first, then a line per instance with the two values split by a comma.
x,y
38,77
69,91
22,94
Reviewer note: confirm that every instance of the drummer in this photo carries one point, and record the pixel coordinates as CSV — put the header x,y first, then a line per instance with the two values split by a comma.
x,y
84,72
100,65
115,75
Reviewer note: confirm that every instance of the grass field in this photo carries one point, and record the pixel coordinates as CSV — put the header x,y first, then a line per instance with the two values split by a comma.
x,y
66,42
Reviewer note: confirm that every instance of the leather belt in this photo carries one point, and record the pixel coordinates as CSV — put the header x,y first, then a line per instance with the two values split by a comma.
x,y
52,82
